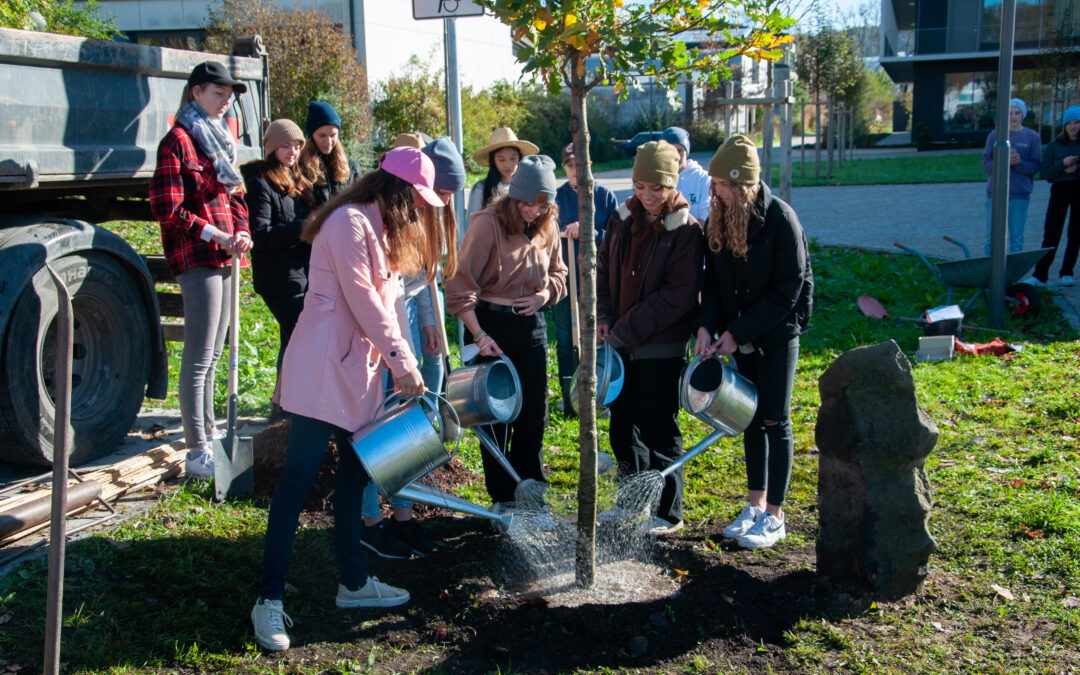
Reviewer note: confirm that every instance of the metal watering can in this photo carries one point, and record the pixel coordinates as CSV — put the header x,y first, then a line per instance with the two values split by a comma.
x,y
713,391
404,443
485,393
609,378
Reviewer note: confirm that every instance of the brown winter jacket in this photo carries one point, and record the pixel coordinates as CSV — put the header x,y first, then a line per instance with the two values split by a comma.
x,y
660,322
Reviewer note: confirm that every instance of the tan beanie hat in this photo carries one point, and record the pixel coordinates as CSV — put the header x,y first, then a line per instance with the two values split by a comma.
x,y
404,140
737,161
657,162
281,132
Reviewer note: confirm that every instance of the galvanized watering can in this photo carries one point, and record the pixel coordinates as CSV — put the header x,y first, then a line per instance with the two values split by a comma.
x,y
609,378
713,391
404,443
485,393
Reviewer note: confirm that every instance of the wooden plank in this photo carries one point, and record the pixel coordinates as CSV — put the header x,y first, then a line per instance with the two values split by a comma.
x,y
158,269
170,304
172,331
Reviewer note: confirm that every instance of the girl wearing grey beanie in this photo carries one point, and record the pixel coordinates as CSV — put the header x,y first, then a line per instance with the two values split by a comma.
x,y
509,268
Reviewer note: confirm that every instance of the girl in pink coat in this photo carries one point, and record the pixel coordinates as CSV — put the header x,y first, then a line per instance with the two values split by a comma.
x,y
351,324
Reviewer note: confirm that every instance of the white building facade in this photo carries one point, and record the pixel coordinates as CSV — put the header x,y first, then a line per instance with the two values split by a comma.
x,y
384,32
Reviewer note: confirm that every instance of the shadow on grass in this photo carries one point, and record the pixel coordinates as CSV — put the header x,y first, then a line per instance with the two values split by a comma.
x,y
183,601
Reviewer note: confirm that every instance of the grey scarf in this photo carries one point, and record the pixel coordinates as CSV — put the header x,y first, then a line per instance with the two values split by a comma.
x,y
216,141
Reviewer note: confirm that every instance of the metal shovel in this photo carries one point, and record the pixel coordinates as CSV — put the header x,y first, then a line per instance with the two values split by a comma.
x,y
234,475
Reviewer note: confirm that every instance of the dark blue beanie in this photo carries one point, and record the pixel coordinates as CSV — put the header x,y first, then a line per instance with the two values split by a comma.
x,y
449,167
677,136
319,114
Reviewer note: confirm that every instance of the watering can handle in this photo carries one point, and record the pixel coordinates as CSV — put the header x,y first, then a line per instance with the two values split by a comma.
x,y
423,399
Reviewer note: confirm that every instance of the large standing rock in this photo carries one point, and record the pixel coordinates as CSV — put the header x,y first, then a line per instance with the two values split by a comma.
x,y
873,493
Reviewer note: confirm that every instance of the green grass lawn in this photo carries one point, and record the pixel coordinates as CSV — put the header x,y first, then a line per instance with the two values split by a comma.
x,y
171,590
884,171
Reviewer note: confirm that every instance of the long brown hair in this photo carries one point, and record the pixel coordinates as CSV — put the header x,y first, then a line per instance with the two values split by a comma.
x,y
288,180
728,222
315,165
407,244
1064,139
443,245
506,212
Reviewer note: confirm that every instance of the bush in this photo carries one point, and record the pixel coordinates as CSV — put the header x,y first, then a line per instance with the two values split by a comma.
x,y
310,60
65,18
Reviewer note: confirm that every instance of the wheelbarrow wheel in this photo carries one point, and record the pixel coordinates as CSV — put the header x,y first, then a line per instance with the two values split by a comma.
x,y
1024,300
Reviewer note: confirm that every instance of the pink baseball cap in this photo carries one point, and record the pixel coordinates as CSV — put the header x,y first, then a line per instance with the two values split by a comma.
x,y
413,166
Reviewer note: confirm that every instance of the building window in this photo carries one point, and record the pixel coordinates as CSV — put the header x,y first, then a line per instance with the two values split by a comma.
x,y
969,99
1038,22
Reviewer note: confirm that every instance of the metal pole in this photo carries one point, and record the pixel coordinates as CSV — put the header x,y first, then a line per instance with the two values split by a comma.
x,y
999,213
817,138
851,154
65,329
729,93
829,131
785,145
767,143
841,135
802,140
453,123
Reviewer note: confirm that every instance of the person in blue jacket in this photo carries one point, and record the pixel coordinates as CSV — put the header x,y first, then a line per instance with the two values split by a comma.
x,y
1025,158
566,198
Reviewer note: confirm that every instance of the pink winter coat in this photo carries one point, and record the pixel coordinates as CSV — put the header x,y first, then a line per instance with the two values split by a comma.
x,y
353,320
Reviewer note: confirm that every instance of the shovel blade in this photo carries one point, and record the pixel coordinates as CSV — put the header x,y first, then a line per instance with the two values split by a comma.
x,y
234,472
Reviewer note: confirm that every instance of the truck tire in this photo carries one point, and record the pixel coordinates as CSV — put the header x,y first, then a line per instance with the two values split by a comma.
x,y
110,361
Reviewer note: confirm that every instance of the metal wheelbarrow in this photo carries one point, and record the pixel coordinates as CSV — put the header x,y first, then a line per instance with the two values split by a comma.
x,y
1021,299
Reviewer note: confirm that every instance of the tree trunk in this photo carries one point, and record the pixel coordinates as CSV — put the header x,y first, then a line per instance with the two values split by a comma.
x,y
585,551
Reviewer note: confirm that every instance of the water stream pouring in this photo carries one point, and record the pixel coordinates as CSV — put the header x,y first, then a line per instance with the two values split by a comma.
x,y
713,391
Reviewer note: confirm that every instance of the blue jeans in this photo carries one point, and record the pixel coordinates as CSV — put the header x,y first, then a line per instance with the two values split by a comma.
x,y
1018,209
307,445
431,365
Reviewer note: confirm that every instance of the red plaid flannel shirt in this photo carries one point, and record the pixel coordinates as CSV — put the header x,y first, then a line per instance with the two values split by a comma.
x,y
185,195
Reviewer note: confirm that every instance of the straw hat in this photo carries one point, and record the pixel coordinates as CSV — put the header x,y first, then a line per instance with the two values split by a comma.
x,y
503,137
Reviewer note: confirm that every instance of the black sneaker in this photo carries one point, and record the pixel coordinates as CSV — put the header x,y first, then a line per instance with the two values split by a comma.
x,y
412,533
383,542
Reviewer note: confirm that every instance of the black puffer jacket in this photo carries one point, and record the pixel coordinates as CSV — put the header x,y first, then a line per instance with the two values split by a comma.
x,y
767,297
279,259
323,193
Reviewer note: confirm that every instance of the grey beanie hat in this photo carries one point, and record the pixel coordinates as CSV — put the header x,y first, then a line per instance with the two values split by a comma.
x,y
534,180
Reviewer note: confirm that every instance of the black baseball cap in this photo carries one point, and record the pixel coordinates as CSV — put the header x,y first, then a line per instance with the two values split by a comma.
x,y
212,72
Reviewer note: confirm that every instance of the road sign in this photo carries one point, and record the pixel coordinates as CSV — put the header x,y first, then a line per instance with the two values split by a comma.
x,y
445,9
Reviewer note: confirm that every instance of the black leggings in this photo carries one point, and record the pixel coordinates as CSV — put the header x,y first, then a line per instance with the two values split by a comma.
x,y
1063,198
770,448
524,341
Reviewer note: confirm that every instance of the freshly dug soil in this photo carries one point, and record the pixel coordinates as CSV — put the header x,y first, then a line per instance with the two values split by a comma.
x,y
270,448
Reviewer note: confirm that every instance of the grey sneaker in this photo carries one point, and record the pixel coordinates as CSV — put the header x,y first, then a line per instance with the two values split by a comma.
x,y
381,539
1067,280
661,526
373,594
269,619
199,464
1032,281
766,531
744,522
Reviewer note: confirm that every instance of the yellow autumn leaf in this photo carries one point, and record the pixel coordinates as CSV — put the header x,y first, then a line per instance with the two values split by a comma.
x,y
618,85
618,3
569,20
539,24
681,575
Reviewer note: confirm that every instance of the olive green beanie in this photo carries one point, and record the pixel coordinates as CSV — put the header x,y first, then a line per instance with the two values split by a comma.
x,y
737,161
657,162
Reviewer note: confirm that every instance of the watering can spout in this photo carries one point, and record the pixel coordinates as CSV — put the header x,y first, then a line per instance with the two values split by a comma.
x,y
424,494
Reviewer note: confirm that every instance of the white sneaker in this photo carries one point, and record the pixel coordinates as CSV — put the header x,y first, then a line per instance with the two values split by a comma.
x,y
766,531
1032,281
373,594
199,464
269,619
604,463
1067,280
744,522
614,515
660,526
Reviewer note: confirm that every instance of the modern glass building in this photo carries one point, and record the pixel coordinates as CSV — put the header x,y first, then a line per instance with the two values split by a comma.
x,y
948,51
